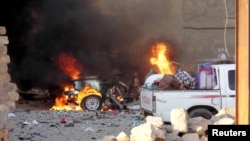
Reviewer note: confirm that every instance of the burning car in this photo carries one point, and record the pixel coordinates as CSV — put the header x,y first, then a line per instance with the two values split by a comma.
x,y
91,94
87,93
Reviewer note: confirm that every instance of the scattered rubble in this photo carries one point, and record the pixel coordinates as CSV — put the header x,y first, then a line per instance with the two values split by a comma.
x,y
46,125
181,128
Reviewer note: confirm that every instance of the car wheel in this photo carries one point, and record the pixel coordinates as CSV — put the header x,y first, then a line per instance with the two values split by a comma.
x,y
91,103
201,112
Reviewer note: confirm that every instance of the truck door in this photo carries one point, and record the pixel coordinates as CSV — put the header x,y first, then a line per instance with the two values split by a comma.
x,y
228,87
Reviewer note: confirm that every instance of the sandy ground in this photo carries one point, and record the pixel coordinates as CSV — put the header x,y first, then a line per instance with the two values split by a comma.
x,y
34,121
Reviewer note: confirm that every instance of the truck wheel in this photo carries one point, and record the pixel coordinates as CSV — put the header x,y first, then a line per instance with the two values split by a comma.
x,y
91,103
200,112
145,113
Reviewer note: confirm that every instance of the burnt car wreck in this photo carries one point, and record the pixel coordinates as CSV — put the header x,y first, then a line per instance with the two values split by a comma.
x,y
92,93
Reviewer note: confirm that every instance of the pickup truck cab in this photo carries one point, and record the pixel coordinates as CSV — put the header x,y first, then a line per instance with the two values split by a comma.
x,y
196,102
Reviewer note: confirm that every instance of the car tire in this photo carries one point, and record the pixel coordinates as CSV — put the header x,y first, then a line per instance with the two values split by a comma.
x,y
91,103
200,112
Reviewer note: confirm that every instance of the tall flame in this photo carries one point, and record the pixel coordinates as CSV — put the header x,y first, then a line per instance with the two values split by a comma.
x,y
72,68
160,60
69,65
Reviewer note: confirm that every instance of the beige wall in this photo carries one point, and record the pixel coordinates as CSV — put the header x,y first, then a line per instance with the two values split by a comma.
x,y
204,32
201,30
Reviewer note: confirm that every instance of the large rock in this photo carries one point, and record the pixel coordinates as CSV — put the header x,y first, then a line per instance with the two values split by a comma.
x,y
155,120
191,137
122,137
198,125
143,132
178,119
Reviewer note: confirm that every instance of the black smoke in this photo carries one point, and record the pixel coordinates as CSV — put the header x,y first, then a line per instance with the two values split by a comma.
x,y
101,35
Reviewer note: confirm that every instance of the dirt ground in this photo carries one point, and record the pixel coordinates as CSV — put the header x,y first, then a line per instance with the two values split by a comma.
x,y
33,120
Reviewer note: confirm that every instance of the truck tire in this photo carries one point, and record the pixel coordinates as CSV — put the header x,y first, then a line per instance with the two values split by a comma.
x,y
145,113
91,103
200,112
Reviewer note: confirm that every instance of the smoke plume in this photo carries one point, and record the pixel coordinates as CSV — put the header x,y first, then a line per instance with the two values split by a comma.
x,y
102,35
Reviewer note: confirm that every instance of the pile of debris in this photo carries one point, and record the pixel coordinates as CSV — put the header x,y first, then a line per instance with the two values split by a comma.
x,y
181,128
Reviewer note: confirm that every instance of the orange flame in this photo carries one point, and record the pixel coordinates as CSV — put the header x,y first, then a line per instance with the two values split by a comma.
x,y
72,68
160,60
60,104
67,87
69,65
61,101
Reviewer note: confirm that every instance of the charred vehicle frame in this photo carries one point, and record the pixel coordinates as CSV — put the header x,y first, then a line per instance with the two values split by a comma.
x,y
107,93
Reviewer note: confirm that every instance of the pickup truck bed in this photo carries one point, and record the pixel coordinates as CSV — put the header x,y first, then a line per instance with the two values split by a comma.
x,y
197,102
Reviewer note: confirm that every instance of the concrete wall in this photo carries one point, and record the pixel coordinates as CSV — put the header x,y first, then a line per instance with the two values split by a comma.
x,y
208,29
201,30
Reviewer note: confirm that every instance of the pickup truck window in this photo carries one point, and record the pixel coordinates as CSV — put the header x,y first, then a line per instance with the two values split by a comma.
x,y
231,79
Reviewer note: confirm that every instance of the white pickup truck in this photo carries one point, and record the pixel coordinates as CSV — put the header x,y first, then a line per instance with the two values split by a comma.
x,y
196,102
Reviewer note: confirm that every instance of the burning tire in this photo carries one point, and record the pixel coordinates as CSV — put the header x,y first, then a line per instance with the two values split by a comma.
x,y
91,103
